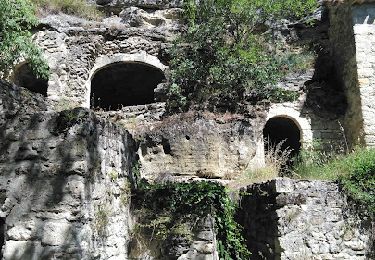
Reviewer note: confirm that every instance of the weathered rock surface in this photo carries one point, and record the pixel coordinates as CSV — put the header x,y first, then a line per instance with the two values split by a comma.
x,y
192,145
289,219
65,181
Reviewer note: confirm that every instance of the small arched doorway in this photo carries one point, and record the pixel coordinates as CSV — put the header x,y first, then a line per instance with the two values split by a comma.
x,y
282,131
124,84
25,77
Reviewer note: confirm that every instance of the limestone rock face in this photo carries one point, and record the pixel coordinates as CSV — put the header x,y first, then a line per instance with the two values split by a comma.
x,y
137,17
64,179
197,146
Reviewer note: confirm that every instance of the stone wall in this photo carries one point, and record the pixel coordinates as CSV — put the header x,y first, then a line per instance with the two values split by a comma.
x,y
203,244
289,219
64,183
141,32
363,17
327,130
352,37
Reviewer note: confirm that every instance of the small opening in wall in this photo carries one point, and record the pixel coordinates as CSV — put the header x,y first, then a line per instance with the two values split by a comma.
x,y
2,236
24,77
282,130
187,137
124,84
166,146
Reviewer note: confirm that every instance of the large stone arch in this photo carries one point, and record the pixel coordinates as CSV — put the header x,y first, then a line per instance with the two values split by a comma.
x,y
103,62
288,111
304,124
283,134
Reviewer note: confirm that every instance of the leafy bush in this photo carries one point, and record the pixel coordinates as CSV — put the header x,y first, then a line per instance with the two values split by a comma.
x,y
17,18
74,7
359,183
225,54
186,204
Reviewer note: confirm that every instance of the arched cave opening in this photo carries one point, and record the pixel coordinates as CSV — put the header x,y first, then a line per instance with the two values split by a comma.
x,y
25,77
285,131
124,84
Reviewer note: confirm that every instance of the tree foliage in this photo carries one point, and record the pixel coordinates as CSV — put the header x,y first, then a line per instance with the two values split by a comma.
x,y
225,54
17,18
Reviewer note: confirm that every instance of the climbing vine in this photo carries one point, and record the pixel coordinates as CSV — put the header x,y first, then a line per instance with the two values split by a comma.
x,y
172,209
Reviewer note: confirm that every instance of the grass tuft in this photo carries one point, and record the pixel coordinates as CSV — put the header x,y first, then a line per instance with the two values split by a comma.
x,y
276,160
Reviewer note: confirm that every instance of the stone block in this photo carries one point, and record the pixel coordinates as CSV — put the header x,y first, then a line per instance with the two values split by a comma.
x,y
22,250
206,235
204,247
57,233
21,233
284,185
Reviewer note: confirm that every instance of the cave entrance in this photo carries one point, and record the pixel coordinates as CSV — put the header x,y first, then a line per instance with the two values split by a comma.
x,y
124,84
284,131
25,77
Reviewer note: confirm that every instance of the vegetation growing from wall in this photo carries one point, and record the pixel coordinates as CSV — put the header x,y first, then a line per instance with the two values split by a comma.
x,y
17,18
79,8
171,210
227,54
355,171
276,160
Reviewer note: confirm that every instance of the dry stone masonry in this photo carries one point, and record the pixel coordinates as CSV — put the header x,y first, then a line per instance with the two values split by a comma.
x,y
352,36
288,219
141,32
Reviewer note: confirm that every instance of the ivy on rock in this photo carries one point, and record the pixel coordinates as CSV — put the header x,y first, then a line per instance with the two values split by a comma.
x,y
172,209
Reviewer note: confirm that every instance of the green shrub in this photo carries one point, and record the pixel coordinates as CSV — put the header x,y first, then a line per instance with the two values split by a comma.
x,y
225,55
310,162
359,183
17,18
355,171
74,7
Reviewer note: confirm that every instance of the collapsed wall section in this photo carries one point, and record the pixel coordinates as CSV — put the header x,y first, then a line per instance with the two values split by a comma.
x,y
291,219
64,184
